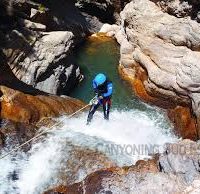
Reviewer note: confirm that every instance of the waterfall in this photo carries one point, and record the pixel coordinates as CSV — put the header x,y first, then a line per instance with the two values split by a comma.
x,y
123,140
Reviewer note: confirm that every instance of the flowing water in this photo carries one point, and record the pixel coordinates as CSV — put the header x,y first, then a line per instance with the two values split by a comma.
x,y
73,150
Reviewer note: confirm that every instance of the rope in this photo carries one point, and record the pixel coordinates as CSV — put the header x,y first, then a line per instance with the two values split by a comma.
x,y
45,131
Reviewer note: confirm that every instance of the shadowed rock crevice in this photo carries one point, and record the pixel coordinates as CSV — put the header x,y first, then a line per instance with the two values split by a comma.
x,y
106,11
62,16
7,78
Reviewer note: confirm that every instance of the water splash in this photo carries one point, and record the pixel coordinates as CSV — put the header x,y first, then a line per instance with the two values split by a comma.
x,y
125,129
39,168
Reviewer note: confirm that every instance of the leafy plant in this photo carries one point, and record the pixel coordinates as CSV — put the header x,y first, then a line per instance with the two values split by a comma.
x,y
41,8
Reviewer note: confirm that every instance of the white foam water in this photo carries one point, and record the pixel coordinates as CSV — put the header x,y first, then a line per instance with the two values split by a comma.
x,y
37,169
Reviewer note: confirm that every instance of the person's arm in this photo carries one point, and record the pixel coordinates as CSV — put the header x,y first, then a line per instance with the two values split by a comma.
x,y
109,90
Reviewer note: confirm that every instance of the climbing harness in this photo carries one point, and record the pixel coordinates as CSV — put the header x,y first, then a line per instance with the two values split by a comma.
x,y
48,129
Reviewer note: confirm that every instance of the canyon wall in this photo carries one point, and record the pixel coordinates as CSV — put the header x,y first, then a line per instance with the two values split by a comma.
x,y
160,56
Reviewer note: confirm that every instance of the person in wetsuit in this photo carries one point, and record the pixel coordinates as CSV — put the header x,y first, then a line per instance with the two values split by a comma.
x,y
103,89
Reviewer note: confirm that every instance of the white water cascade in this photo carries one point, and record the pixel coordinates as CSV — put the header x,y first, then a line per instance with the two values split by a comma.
x,y
35,171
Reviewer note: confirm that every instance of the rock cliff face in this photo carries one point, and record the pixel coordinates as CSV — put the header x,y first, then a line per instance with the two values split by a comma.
x,y
159,54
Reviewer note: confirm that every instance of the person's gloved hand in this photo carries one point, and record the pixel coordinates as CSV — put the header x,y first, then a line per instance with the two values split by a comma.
x,y
100,97
94,101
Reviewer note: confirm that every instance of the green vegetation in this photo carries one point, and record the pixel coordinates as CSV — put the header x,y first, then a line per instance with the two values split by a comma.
x,y
41,8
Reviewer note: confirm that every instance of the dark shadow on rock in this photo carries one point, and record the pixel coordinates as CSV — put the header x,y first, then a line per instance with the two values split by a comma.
x,y
106,11
15,43
68,17
7,78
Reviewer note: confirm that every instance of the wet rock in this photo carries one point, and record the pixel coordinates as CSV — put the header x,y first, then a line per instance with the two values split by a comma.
x,y
24,108
166,50
15,133
184,122
2,139
182,159
24,114
174,171
194,187
142,178
181,116
82,162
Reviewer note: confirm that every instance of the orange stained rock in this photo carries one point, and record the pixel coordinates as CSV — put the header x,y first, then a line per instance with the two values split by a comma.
x,y
137,84
92,182
181,116
94,41
24,108
100,36
184,122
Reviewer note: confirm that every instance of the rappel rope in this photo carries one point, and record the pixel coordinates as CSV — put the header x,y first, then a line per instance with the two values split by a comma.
x,y
48,129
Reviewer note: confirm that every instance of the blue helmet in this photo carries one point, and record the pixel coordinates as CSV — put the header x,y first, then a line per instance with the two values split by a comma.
x,y
100,79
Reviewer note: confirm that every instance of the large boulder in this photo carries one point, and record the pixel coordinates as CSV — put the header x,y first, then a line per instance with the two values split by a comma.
x,y
182,159
45,65
82,162
160,54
